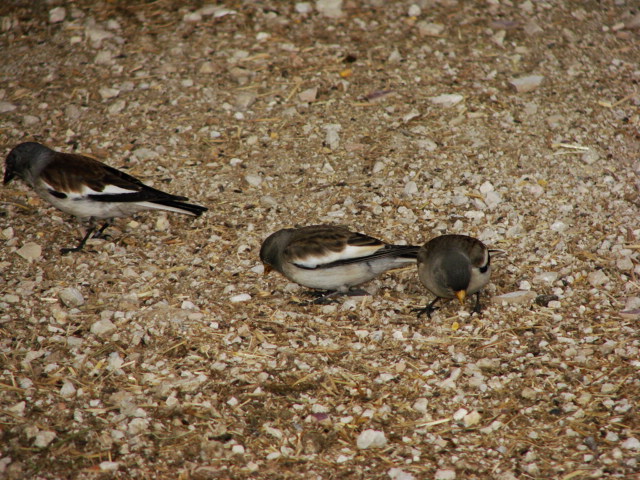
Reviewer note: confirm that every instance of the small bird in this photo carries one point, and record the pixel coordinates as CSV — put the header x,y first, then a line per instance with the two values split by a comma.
x,y
87,188
453,266
331,258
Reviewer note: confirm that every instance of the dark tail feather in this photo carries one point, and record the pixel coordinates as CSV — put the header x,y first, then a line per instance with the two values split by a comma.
x,y
188,208
405,251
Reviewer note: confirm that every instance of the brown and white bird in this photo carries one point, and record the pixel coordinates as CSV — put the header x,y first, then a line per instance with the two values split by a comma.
x,y
87,188
331,258
453,266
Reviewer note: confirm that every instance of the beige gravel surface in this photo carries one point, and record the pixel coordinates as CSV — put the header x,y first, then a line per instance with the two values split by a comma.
x,y
163,352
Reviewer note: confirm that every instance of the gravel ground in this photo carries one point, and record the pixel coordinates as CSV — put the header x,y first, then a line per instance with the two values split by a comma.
x,y
163,352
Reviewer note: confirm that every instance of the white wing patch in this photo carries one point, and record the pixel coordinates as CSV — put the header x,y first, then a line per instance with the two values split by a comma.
x,y
347,253
108,190
86,191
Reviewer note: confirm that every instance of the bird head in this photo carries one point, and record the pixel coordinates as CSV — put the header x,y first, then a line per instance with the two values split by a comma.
x,y
22,159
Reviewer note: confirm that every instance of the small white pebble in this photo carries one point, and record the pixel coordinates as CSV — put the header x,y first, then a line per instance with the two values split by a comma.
x,y
471,419
631,443
57,15
102,327
109,466
241,297
71,297
445,475
237,450
44,438
460,414
371,439
30,251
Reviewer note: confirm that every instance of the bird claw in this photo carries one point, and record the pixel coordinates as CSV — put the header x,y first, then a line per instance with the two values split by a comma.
x,y
320,300
428,310
356,292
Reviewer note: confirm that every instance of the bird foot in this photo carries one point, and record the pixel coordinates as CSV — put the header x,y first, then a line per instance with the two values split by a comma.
x,y
356,292
428,310
66,250
321,300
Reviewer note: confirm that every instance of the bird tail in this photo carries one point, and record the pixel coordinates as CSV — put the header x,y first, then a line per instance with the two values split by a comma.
x,y
178,207
404,251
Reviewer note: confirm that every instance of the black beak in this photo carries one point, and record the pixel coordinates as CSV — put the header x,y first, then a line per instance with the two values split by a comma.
x,y
9,174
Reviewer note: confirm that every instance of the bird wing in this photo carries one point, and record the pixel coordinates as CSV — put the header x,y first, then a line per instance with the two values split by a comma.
x,y
323,246
78,176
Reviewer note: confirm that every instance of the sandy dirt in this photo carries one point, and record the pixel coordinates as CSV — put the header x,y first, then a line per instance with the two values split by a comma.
x,y
163,352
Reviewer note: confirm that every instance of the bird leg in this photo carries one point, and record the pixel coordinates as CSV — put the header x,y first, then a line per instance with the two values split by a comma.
x,y
99,233
320,297
90,234
80,246
428,310
477,308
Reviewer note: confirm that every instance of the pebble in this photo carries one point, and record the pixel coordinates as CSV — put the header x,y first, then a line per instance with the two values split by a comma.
x,y
106,92
162,223
253,179
631,443
545,277
630,314
215,10
30,251
192,17
309,95
107,466
394,57
545,300
526,84
245,99
10,298
102,327
207,67
97,35
18,408
6,107
608,388
71,297
447,99
590,157
44,438
144,154
411,188
237,450
445,475
67,390
117,107
472,418
414,11
30,120
558,226
57,15
399,474
304,7
515,298
486,187
597,278
492,199
460,414
241,297
268,201
371,439
555,121
624,264
427,29
532,28
329,8
332,138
